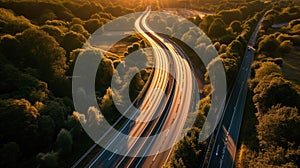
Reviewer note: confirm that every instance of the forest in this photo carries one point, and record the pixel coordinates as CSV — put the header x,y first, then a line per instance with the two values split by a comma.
x,y
273,97
269,135
39,43
41,40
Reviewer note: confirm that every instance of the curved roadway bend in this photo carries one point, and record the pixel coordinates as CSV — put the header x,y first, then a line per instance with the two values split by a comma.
x,y
224,147
152,99
178,108
171,106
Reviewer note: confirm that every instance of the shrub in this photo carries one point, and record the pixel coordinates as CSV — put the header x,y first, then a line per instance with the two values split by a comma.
x,y
268,44
230,15
11,24
285,46
47,160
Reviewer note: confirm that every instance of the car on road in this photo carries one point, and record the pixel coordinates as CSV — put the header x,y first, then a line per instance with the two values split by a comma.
x,y
251,48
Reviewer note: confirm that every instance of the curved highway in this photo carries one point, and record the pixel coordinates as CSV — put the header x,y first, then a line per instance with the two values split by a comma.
x,y
165,105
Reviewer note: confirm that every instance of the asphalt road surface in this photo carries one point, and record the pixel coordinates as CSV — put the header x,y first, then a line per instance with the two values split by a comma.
x,y
171,105
226,139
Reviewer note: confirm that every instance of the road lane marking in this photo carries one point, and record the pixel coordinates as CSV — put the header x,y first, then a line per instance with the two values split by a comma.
x,y
155,156
167,132
112,154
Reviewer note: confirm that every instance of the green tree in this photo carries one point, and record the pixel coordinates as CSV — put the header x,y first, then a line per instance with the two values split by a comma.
x,y
80,29
267,68
266,24
47,160
245,157
41,51
236,48
245,11
188,151
236,26
136,84
285,46
73,124
217,29
46,130
59,23
92,25
85,10
223,48
94,118
10,154
268,44
19,85
53,31
11,24
76,20
230,15
47,15
104,74
276,156
275,90
72,40
18,122
230,66
64,142
8,45
279,126
294,22
57,111
206,23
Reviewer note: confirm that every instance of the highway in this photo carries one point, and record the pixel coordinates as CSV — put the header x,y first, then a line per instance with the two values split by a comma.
x,y
164,107
227,133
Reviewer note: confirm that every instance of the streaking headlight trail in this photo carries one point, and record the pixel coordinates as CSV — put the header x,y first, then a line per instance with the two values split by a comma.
x,y
172,95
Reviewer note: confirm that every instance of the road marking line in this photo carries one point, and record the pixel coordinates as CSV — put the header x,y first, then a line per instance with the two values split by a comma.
x,y
112,154
167,132
155,156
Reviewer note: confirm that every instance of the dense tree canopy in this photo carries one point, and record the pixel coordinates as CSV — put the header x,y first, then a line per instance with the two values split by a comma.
x,y
10,154
72,40
268,44
180,157
12,24
19,85
64,142
39,44
217,28
41,51
230,15
276,99
236,26
57,111
46,129
279,127
274,91
47,160
18,118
